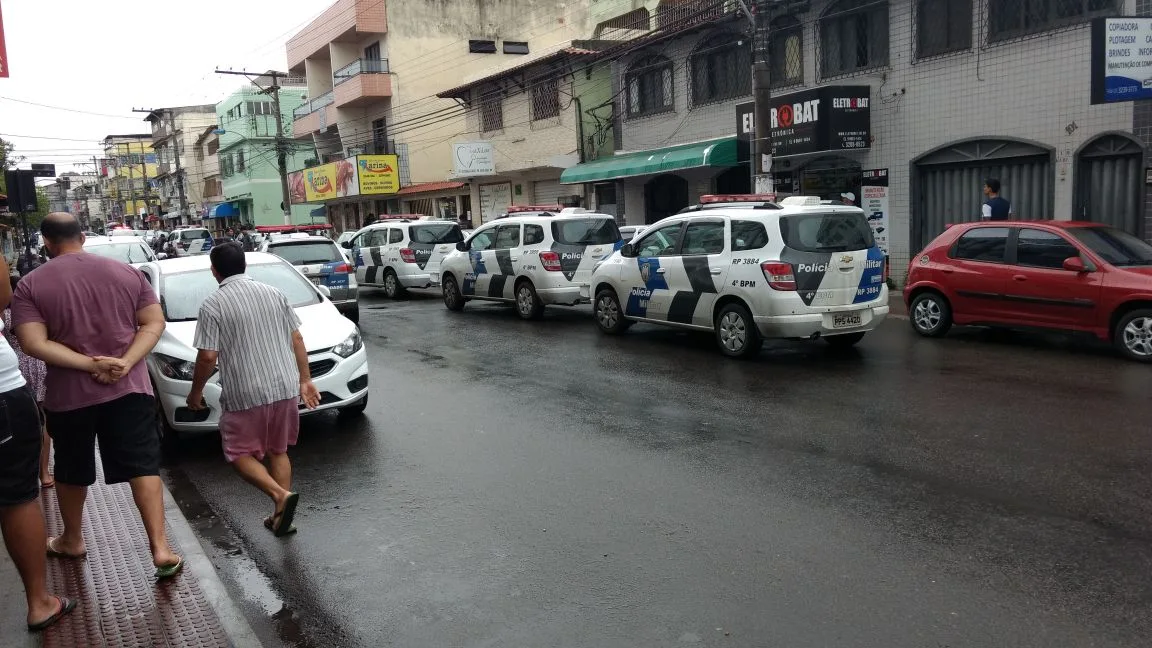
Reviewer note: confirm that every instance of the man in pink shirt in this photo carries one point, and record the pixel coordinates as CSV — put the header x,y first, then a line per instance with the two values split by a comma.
x,y
93,320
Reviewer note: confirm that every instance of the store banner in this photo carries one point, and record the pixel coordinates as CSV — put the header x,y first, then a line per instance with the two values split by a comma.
x,y
320,183
831,118
1121,59
874,200
378,174
495,199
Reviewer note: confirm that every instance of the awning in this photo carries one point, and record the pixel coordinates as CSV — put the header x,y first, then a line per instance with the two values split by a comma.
x,y
223,210
713,153
428,187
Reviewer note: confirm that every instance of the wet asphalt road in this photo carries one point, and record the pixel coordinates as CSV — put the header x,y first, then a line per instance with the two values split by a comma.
x,y
540,484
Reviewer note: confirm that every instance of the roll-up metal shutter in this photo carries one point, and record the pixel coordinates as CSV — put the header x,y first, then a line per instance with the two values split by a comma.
x,y
548,192
1110,183
950,181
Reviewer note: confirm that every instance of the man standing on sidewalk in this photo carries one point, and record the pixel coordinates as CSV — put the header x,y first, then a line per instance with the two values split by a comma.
x,y
21,521
92,320
252,330
995,208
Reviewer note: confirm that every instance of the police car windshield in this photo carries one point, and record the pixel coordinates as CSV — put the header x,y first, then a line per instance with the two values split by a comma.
x,y
826,232
585,231
181,294
436,233
305,252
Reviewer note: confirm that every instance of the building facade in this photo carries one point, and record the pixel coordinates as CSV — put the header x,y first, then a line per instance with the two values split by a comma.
x,y
128,166
174,135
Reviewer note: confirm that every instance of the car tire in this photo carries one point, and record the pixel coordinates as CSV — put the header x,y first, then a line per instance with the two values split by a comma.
x,y
846,341
353,314
355,409
1133,335
453,298
609,315
930,314
736,332
393,289
528,304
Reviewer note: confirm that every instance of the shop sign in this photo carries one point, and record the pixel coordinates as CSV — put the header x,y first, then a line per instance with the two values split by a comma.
x,y
831,118
471,159
1121,59
378,174
495,199
874,200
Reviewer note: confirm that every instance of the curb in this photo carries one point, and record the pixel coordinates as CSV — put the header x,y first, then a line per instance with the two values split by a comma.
x,y
232,620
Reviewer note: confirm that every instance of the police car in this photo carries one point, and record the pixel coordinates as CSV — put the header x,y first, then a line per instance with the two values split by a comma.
x,y
532,256
403,252
798,269
191,241
320,260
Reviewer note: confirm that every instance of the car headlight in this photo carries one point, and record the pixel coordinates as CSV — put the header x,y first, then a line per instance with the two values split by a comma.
x,y
350,345
175,368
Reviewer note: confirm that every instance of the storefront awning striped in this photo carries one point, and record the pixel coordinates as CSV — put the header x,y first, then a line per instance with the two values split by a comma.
x,y
713,153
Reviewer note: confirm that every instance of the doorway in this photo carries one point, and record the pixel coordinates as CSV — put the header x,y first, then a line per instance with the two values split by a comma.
x,y
664,196
733,181
830,177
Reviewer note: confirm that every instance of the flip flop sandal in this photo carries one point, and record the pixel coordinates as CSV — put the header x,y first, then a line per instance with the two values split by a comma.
x,y
287,516
268,524
66,606
168,571
53,553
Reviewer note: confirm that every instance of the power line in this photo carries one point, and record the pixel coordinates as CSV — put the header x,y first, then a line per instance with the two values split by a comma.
x,y
71,110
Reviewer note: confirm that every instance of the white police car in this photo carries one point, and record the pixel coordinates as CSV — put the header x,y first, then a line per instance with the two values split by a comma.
x,y
532,256
798,269
400,253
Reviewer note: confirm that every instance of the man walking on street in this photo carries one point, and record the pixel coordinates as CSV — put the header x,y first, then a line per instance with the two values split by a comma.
x,y
251,329
21,520
93,320
995,208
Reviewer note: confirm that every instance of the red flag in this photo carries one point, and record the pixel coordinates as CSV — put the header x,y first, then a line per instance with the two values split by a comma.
x,y
3,52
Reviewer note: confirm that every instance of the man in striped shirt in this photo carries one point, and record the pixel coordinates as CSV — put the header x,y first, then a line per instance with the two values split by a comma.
x,y
251,329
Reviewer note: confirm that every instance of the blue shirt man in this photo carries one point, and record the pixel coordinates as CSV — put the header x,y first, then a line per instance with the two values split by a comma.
x,y
995,208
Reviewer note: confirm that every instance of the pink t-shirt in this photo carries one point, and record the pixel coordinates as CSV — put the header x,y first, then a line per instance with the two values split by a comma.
x,y
89,304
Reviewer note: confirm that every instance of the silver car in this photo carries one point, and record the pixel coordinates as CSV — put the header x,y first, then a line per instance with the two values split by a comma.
x,y
319,259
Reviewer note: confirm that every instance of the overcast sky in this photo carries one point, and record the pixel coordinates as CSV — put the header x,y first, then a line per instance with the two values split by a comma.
x,y
110,57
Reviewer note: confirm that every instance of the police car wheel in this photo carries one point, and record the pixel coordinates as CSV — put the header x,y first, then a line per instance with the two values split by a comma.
x,y
736,332
609,315
930,314
453,300
528,305
844,341
392,287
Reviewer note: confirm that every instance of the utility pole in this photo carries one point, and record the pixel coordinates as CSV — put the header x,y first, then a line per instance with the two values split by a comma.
x,y
762,93
147,189
281,143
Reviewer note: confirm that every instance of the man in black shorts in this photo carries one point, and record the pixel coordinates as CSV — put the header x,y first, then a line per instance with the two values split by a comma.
x,y
21,521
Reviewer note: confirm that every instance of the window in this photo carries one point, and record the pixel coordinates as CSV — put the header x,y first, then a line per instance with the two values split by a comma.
x,y
482,240
376,238
853,37
748,235
507,236
589,231
482,46
436,234
662,242
786,58
943,26
982,244
703,238
721,69
372,52
649,83
545,98
1042,249
380,135
184,292
533,234
306,252
491,112
826,232
395,236
226,165
515,47
240,161
1010,19
1117,247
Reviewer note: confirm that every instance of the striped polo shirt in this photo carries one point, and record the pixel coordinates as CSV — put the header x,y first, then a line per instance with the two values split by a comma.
x,y
250,325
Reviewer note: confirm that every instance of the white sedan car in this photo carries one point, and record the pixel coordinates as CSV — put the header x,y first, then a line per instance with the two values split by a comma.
x,y
336,353
129,249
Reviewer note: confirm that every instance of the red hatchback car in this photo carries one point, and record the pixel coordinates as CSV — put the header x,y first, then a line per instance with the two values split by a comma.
x,y
1066,275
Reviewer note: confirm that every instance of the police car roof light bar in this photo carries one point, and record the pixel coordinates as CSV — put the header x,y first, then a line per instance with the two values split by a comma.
x,y
516,209
732,198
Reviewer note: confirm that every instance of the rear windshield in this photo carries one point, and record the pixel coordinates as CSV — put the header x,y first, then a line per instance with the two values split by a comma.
x,y
192,235
436,233
585,231
826,232
306,252
1116,247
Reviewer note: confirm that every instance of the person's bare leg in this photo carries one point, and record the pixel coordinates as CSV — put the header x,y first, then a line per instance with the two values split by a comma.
x,y
24,536
256,474
45,458
148,492
71,499
281,470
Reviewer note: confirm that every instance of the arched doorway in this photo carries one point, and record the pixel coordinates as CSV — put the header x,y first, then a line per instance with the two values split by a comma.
x,y
1110,183
733,181
664,196
949,182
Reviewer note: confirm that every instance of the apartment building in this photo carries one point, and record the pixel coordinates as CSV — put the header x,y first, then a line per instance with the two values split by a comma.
x,y
174,134
126,168
208,177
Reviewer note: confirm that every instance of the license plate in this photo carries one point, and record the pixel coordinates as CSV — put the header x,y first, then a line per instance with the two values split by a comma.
x,y
847,320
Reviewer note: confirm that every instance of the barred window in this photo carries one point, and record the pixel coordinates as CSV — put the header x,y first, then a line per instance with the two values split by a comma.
x,y
854,37
491,112
1013,18
943,26
649,83
787,54
721,69
545,98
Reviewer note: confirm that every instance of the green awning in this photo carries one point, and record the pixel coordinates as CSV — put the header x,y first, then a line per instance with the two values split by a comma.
x,y
713,153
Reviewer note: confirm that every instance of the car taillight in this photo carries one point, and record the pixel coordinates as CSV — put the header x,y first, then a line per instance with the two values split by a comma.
x,y
408,255
779,275
550,261
343,267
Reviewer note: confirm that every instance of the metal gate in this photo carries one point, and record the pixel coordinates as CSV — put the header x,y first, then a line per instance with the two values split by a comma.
x,y
548,192
1110,183
949,183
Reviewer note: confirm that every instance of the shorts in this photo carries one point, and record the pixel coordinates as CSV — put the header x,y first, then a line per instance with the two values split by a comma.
x,y
259,430
129,441
19,447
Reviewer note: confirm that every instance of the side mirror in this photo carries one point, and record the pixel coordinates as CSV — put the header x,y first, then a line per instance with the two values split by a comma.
x,y
1075,264
347,245
324,291
628,250
462,246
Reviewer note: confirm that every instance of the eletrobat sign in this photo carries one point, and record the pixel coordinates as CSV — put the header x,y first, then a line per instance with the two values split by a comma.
x,y
832,118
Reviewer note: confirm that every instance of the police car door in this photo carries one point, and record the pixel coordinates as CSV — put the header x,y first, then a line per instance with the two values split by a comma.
x,y
507,248
370,256
391,242
480,257
646,277
696,275
357,250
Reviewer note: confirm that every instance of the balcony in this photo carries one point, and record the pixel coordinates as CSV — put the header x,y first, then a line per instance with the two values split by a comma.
x,y
345,20
362,81
360,66
312,106
311,116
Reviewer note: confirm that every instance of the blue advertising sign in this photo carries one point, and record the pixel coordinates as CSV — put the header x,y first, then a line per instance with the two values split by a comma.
x,y
1121,59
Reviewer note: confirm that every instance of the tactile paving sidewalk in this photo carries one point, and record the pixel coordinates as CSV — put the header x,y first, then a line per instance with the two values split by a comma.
x,y
120,603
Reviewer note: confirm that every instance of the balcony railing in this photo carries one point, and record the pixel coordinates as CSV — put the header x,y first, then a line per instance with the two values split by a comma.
x,y
312,106
360,66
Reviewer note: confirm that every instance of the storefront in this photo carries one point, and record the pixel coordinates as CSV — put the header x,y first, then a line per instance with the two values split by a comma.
x,y
446,200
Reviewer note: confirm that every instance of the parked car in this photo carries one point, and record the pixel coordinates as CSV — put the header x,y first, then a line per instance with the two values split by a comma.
x,y
191,241
336,353
321,261
629,232
398,253
129,249
1062,275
